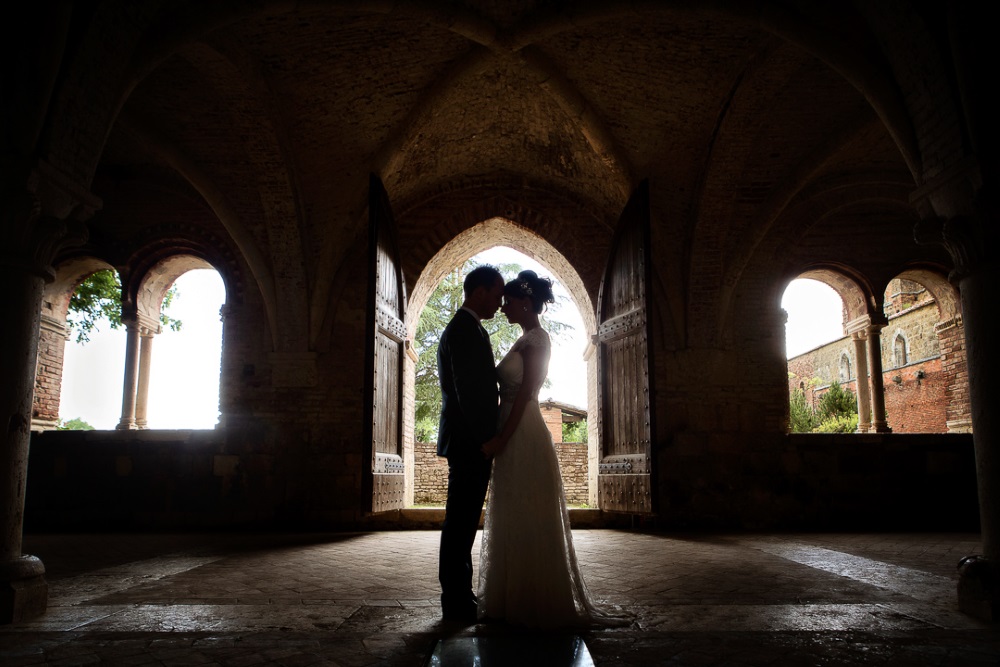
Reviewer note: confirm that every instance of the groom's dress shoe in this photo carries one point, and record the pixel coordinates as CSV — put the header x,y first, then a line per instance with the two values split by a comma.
x,y
465,612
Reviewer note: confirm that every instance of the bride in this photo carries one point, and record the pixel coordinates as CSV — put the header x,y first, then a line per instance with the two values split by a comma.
x,y
528,573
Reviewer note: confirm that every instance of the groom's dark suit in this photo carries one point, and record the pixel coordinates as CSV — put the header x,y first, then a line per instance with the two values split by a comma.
x,y
469,410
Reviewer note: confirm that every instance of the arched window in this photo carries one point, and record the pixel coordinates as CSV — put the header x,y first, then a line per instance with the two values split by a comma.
x,y
845,368
899,351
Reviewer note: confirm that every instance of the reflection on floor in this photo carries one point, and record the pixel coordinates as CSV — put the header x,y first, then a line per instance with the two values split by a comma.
x,y
528,649
372,599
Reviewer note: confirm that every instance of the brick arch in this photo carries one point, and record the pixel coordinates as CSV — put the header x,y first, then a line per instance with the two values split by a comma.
x,y
854,290
168,251
499,231
492,229
933,279
69,274
53,333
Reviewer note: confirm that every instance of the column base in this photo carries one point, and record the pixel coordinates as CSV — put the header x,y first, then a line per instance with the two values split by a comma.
x,y
24,593
978,593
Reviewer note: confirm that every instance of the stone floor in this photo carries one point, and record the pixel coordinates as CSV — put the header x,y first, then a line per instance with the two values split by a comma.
x,y
371,599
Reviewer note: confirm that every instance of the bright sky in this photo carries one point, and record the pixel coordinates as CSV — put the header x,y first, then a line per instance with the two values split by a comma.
x,y
184,378
184,382
567,369
815,316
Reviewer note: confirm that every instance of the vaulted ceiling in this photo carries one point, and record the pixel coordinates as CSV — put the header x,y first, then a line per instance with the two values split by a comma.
x,y
281,110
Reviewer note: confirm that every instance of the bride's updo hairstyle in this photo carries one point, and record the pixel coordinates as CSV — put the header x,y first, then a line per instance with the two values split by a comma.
x,y
528,284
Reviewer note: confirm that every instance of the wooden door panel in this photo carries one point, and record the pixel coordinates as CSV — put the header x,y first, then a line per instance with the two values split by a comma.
x,y
625,470
384,476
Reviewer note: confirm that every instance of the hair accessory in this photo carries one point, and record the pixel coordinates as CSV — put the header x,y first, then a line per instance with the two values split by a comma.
x,y
525,288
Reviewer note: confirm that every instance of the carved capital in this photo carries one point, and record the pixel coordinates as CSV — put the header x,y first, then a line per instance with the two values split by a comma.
x,y
960,213
40,214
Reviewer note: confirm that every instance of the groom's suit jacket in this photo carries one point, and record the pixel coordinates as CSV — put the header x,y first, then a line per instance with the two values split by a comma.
x,y
469,389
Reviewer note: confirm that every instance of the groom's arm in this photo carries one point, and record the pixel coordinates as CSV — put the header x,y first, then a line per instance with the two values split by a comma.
x,y
475,383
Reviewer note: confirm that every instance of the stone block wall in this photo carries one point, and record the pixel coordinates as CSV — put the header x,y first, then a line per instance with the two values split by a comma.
x,y
574,467
928,394
150,480
431,473
48,374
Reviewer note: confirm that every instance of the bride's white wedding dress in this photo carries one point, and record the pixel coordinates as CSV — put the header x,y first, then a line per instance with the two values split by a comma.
x,y
528,573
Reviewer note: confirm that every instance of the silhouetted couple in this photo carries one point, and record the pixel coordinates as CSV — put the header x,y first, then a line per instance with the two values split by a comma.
x,y
491,423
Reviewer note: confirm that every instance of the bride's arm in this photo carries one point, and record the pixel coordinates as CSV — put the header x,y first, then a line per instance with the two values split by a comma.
x,y
533,359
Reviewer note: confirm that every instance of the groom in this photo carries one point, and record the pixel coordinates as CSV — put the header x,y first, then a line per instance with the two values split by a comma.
x,y
469,407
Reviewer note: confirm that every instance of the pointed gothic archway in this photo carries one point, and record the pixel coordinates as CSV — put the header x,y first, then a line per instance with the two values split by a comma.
x,y
499,231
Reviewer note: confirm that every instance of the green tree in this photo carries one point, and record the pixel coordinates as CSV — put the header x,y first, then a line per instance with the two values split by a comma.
x,y
99,297
75,424
836,402
839,424
445,300
802,418
574,431
837,411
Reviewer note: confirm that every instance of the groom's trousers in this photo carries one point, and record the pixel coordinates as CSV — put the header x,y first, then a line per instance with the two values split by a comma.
x,y
468,479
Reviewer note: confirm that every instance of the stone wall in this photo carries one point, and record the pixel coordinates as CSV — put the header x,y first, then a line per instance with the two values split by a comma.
x,y
926,394
573,465
48,374
431,473
130,480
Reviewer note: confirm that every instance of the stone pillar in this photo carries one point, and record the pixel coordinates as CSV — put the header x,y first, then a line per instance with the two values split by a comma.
x,y
966,224
23,590
127,421
864,393
142,389
979,587
874,334
30,237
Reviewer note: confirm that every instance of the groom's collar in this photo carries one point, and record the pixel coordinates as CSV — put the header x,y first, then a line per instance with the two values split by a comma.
x,y
471,312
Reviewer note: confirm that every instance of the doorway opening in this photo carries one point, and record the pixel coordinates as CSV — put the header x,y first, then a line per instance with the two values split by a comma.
x,y
567,398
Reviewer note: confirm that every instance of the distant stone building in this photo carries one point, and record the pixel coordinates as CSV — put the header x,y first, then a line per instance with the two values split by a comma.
x,y
431,471
918,362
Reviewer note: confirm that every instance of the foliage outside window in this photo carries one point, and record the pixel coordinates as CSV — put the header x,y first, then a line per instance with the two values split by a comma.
x,y
99,297
442,305
75,424
836,411
574,431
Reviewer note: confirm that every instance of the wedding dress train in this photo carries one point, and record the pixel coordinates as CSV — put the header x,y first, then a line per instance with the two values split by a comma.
x,y
528,572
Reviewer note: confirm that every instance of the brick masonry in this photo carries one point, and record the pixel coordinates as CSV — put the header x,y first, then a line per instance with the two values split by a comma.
x,y
431,473
251,148
923,385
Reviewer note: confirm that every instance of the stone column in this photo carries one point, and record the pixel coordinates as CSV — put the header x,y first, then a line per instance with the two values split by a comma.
x,y
30,237
127,421
974,243
874,334
964,217
982,335
864,393
23,590
142,389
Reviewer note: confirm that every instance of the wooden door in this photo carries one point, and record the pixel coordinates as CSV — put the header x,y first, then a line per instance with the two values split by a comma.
x,y
384,486
624,366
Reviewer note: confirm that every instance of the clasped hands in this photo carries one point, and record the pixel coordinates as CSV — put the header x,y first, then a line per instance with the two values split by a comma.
x,y
493,446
